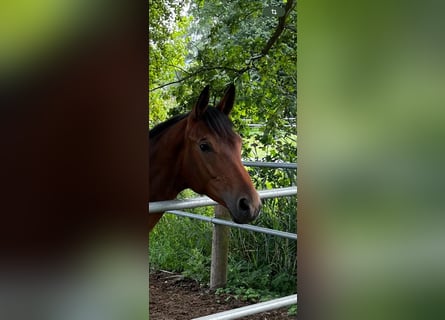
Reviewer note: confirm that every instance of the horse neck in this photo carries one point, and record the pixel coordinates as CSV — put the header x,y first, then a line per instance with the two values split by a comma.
x,y
165,164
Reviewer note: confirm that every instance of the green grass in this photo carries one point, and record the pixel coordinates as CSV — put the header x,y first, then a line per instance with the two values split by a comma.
x,y
261,267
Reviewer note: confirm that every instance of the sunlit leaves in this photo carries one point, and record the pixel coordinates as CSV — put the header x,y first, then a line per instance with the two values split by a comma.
x,y
221,42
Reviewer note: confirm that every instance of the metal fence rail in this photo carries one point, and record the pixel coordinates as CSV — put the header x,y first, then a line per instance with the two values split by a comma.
x,y
250,227
252,309
283,165
173,207
161,206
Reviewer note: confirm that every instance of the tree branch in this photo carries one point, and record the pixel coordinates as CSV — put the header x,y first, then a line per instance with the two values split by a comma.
x,y
170,83
183,70
279,29
239,71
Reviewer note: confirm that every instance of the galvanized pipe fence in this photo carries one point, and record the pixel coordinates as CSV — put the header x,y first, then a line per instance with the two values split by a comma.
x,y
263,164
174,207
250,227
252,309
162,206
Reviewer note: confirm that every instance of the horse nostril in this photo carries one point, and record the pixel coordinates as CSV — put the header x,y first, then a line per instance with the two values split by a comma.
x,y
244,204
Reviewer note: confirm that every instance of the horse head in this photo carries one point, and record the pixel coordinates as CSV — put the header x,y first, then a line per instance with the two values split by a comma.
x,y
212,158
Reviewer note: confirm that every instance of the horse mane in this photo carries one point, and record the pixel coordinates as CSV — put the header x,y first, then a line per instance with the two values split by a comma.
x,y
157,130
217,121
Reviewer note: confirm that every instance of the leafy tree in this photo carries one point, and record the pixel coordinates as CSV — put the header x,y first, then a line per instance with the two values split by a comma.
x,y
230,41
167,49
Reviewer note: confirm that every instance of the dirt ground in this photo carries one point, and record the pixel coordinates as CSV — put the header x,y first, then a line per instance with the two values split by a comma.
x,y
174,298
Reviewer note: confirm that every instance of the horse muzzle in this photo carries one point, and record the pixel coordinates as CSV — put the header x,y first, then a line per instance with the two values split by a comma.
x,y
245,210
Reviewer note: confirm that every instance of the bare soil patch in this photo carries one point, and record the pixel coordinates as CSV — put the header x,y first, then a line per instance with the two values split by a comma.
x,y
173,297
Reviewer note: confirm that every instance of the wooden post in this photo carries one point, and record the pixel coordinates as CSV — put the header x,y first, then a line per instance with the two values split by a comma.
x,y
220,250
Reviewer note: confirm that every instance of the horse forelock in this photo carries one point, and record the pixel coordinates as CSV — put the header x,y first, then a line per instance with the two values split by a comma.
x,y
157,130
218,122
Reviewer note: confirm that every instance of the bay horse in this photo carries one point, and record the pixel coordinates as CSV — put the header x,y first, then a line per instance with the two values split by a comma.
x,y
199,150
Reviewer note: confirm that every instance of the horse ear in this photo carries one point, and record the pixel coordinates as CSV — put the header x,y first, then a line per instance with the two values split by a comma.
x,y
203,101
226,103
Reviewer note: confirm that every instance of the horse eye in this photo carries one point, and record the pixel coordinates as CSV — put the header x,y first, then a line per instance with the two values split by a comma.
x,y
205,147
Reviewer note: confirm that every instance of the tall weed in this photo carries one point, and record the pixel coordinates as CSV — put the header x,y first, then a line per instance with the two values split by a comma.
x,y
259,265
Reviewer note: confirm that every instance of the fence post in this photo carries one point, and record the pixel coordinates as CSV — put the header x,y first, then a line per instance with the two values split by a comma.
x,y
220,250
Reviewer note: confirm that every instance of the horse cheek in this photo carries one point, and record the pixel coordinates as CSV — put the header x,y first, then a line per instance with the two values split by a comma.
x,y
194,167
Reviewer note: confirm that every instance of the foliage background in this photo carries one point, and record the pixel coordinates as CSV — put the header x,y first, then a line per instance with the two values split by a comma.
x,y
371,176
195,43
